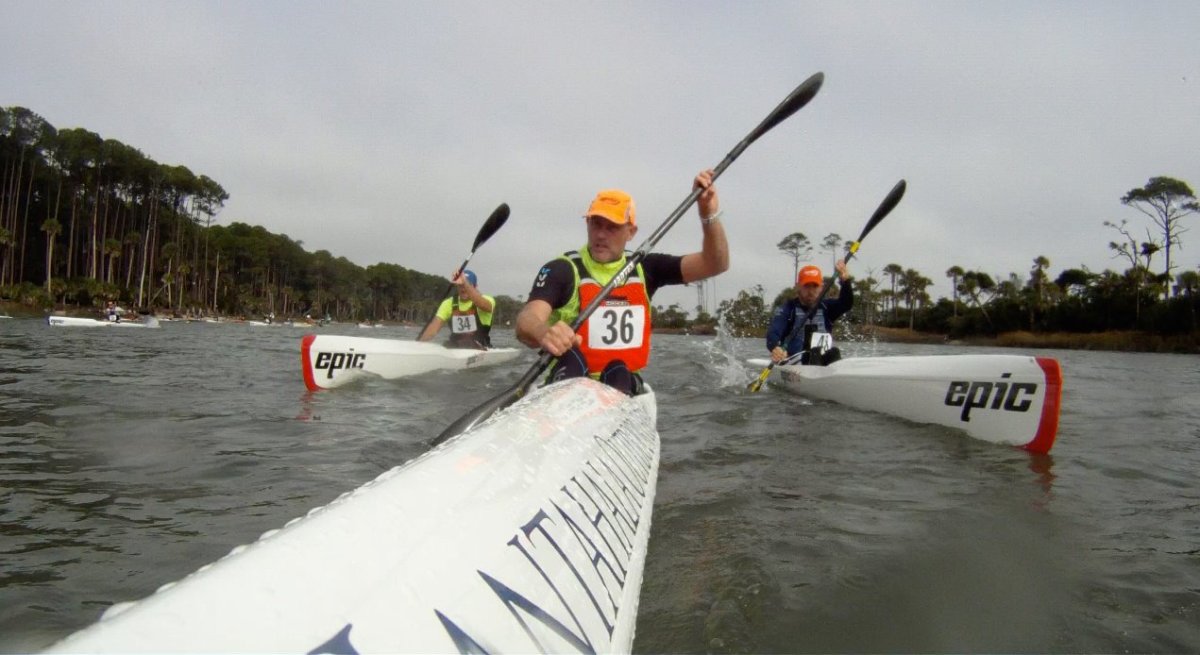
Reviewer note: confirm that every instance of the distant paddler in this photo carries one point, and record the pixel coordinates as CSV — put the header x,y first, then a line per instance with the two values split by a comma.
x,y
613,344
469,313
801,329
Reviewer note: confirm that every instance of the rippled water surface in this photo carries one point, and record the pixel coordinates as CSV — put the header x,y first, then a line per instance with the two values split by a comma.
x,y
129,458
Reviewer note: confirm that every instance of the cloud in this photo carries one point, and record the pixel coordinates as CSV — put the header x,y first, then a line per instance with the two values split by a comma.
x,y
386,131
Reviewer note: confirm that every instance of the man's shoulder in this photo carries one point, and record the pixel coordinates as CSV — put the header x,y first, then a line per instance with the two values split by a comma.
x,y
663,267
657,258
556,267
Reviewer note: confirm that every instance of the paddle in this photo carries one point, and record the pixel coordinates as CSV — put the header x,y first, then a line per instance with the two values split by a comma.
x,y
790,105
889,203
490,227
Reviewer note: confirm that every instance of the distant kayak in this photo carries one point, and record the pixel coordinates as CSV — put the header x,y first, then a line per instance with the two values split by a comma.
x,y
74,321
1005,399
527,534
330,361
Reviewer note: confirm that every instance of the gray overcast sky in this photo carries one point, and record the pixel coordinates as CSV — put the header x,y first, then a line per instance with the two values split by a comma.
x,y
388,131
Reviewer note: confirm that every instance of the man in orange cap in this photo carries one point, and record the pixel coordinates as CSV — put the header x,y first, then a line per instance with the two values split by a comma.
x,y
804,323
613,344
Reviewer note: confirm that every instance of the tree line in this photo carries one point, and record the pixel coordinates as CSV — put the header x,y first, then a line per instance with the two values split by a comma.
x,y
84,220
1142,297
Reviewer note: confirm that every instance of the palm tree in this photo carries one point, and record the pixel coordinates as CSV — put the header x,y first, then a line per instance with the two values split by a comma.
x,y
955,274
132,240
52,228
830,244
169,251
893,271
913,284
1038,281
6,241
866,297
1189,282
112,250
972,283
796,246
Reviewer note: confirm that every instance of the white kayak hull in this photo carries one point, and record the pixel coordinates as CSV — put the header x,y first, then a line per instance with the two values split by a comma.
x,y
75,321
330,361
526,534
1005,399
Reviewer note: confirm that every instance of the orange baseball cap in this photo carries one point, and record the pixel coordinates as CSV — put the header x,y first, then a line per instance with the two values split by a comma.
x,y
614,205
809,275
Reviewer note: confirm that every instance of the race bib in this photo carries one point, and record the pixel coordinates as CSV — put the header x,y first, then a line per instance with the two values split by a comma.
x,y
462,323
821,341
616,327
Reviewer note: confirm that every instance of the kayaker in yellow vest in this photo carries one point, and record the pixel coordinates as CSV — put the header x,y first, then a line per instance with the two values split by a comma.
x,y
469,314
613,345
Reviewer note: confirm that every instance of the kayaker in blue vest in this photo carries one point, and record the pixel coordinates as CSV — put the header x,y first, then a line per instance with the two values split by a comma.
x,y
814,336
614,343
469,314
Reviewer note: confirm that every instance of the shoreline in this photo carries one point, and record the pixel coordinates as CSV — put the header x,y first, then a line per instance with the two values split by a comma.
x,y
1114,341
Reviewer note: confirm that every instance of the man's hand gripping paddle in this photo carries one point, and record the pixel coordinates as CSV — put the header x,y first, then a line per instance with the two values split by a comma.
x,y
790,105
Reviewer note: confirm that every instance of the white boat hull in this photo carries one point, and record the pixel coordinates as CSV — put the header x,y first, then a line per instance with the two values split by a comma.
x,y
1005,399
330,361
75,321
526,534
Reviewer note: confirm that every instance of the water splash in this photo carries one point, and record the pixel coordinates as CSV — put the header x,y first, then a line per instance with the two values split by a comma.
x,y
855,340
721,352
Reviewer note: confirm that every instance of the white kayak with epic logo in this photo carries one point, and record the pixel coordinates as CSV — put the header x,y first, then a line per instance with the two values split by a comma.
x,y
1006,399
330,361
526,534
75,321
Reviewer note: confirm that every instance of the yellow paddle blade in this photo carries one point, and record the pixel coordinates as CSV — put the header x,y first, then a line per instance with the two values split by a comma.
x,y
762,377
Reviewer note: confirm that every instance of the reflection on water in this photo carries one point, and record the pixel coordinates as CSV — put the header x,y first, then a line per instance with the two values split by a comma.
x,y
780,525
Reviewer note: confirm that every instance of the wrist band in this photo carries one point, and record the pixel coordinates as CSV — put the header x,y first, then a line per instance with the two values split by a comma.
x,y
712,219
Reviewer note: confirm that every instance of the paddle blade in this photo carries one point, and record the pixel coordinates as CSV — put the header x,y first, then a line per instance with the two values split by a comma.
x,y
758,382
889,203
494,222
790,105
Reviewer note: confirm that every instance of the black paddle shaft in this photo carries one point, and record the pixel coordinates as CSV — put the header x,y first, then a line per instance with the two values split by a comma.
x,y
797,99
494,222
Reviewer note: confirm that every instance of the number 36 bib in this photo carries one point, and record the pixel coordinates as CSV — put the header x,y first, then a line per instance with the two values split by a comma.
x,y
619,328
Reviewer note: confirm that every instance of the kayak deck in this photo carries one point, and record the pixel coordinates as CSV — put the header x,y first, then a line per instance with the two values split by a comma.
x,y
330,361
1005,399
527,533
76,321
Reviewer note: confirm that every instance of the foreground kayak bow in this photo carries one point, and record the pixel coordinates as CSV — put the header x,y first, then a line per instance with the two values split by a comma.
x,y
526,534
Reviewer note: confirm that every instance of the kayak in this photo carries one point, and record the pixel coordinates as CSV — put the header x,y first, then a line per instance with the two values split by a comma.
x,y
74,321
330,361
525,534
1005,399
